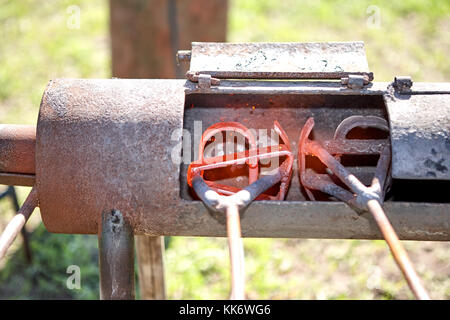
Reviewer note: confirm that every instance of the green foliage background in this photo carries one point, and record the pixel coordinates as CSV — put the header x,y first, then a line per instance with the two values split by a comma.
x,y
412,38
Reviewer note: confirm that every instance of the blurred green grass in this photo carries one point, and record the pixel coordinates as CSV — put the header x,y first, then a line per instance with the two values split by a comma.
x,y
38,46
411,38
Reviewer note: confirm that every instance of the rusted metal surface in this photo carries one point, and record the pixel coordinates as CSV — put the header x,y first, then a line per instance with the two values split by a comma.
x,y
17,179
420,135
17,223
11,193
116,257
322,220
17,144
354,146
17,149
115,139
331,60
112,141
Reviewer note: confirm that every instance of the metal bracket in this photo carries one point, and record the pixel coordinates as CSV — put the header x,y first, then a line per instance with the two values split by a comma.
x,y
355,81
403,84
183,56
204,80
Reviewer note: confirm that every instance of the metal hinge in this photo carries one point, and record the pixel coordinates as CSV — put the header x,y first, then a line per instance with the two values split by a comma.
x,y
204,80
355,81
403,84
211,61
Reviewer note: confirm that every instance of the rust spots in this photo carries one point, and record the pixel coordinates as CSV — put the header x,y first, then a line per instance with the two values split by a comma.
x,y
17,149
436,165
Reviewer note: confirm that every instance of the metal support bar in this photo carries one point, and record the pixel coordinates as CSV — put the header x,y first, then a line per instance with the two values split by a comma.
x,y
16,224
11,193
116,257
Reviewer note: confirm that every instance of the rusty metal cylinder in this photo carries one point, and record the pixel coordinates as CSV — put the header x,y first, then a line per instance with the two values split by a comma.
x,y
105,145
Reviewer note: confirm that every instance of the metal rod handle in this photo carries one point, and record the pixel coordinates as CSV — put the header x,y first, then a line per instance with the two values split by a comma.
x,y
16,224
399,253
236,249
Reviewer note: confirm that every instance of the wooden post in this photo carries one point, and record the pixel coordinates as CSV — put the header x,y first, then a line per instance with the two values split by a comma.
x,y
145,36
151,267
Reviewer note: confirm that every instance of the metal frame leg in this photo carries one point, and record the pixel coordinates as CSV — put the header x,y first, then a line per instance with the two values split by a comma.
x,y
116,257
11,193
24,232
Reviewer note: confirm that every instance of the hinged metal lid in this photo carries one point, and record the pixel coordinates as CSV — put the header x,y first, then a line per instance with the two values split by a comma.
x,y
328,60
